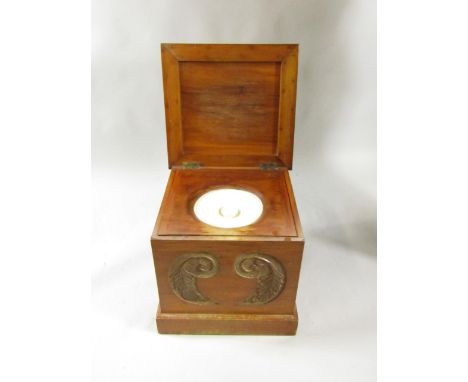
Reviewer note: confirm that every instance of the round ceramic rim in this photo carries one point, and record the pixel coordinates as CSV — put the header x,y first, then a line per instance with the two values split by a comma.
x,y
208,206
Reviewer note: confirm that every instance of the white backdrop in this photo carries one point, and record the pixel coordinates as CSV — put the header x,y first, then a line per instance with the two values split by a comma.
x,y
333,176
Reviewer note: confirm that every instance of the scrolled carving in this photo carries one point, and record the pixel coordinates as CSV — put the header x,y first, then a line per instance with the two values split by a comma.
x,y
269,273
184,273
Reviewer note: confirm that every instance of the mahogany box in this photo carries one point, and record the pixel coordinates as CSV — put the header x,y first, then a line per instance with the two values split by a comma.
x,y
230,126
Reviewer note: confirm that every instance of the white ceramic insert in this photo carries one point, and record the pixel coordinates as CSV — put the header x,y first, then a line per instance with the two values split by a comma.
x,y
228,208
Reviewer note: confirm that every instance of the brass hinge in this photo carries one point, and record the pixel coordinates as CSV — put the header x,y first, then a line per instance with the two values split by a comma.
x,y
270,166
190,165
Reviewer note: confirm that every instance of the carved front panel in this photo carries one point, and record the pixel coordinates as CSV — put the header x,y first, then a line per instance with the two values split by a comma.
x,y
267,270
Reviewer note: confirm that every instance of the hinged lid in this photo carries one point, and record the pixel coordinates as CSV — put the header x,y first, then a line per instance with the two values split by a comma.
x,y
230,105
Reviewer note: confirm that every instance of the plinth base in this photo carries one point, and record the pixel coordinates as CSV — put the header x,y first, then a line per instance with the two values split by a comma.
x,y
254,324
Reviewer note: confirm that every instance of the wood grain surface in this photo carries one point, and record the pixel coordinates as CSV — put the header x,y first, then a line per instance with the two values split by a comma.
x,y
230,105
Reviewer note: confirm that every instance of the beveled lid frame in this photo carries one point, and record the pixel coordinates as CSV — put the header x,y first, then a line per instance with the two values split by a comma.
x,y
285,54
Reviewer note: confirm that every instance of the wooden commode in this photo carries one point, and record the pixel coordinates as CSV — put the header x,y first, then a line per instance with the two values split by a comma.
x,y
228,243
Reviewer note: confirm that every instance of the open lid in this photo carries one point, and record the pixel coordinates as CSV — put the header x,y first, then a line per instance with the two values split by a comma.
x,y
230,105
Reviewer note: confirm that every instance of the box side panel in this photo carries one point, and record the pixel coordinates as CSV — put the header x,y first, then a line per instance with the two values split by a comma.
x,y
164,201
292,201
251,277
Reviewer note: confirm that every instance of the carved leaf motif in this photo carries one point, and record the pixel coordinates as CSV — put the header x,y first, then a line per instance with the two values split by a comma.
x,y
269,273
184,273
